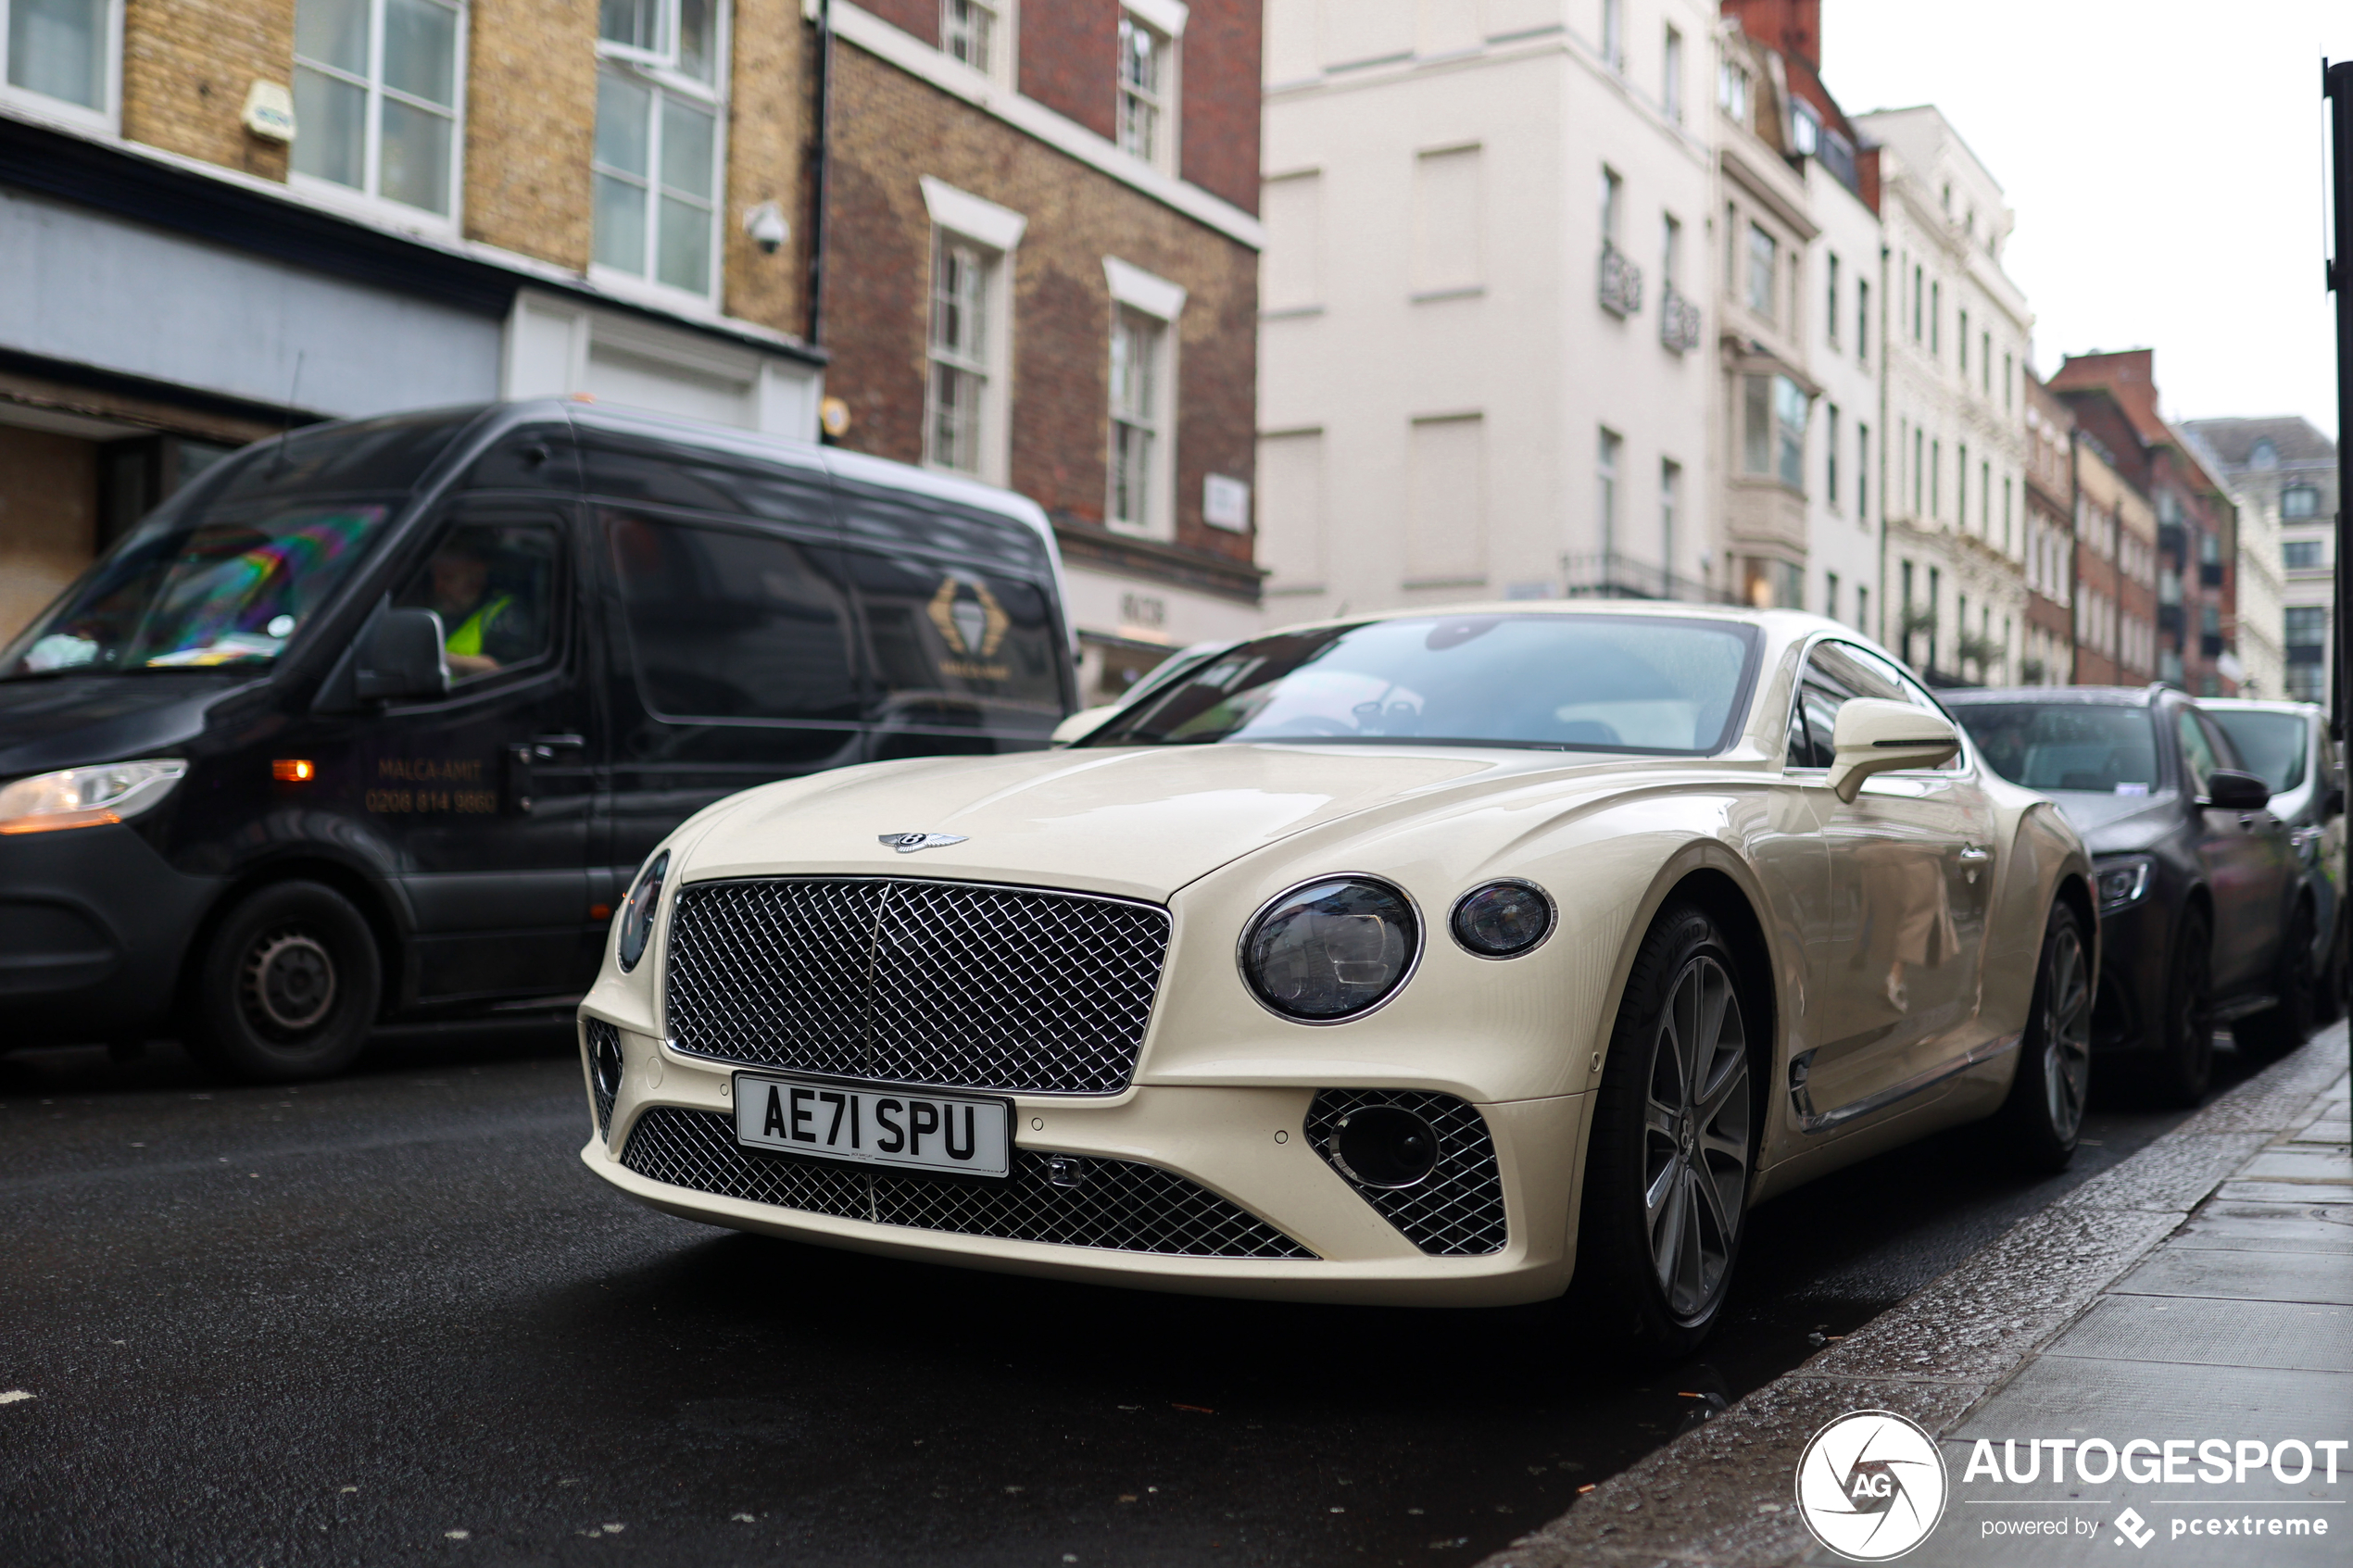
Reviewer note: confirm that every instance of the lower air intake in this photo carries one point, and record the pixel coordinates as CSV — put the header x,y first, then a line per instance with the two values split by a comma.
x,y
1069,1200
600,1039
1454,1212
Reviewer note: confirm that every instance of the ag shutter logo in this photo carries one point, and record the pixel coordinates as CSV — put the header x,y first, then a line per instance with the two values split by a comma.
x,y
1871,1486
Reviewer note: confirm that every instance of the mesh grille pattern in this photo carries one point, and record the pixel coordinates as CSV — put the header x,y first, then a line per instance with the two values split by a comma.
x,y
959,984
1117,1205
601,1032
1458,1209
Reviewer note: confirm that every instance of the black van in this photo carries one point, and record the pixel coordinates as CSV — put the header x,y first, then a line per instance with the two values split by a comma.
x,y
379,719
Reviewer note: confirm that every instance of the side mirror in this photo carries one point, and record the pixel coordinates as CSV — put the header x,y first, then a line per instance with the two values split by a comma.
x,y
404,657
1076,726
1874,735
2227,789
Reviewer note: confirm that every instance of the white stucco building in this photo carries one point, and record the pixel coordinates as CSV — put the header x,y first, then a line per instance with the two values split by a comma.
x,y
1484,363
1953,419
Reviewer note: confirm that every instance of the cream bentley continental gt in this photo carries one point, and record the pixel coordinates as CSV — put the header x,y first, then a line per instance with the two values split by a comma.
x,y
1435,958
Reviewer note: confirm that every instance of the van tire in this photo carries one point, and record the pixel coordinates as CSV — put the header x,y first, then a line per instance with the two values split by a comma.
x,y
287,987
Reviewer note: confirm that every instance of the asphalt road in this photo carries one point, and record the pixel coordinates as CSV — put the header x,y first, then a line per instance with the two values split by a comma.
x,y
390,1319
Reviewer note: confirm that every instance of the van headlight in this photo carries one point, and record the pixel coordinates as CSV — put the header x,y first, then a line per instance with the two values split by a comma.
x,y
2123,882
83,798
637,914
1331,949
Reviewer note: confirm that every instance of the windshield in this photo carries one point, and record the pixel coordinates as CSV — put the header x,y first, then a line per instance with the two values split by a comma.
x,y
1593,682
2272,745
2065,745
226,574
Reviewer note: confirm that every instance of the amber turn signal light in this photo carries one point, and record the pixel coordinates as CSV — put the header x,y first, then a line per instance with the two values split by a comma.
x,y
601,911
291,769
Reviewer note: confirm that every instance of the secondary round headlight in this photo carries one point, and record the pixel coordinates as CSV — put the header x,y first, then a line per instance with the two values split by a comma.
x,y
637,915
1331,949
1501,919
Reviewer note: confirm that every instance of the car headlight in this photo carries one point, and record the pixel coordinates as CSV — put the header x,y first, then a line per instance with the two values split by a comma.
x,y
1501,919
2123,882
637,914
1330,950
83,798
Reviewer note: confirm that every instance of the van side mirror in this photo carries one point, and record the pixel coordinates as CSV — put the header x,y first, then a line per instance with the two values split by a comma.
x,y
403,657
1874,735
2227,789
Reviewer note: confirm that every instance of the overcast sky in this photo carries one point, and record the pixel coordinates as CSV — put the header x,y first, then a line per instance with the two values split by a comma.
x,y
2165,163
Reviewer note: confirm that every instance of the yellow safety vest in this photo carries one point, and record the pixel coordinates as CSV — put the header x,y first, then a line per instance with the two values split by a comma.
x,y
467,639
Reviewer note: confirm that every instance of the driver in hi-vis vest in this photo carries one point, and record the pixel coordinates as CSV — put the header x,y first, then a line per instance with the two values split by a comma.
x,y
482,626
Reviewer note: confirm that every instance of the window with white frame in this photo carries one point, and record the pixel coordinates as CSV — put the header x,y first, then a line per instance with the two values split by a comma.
x,y
1137,400
61,52
1614,34
376,86
967,29
956,397
660,146
1147,80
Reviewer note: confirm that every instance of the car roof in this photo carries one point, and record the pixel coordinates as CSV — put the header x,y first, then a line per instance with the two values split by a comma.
x,y
2255,705
2108,696
1790,622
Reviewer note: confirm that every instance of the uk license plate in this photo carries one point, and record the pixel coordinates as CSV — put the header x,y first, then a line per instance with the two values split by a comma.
x,y
913,1130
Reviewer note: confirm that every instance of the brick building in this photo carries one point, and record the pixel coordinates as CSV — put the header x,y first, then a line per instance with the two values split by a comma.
x,y
2196,524
2115,619
2048,652
216,218
1040,266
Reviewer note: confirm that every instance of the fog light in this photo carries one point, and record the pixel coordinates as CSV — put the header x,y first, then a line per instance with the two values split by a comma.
x,y
1384,1146
604,1060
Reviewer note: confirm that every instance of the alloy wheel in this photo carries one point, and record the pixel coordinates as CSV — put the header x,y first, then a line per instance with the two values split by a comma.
x,y
2067,1028
1696,1138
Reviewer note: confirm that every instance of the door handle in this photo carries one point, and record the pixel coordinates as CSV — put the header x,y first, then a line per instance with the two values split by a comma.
x,y
545,748
1975,852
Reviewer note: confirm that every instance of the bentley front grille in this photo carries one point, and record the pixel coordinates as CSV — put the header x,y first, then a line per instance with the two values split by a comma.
x,y
1069,1200
957,985
1458,1209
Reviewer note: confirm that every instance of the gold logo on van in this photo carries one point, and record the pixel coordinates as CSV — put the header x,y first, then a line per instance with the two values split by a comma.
x,y
973,624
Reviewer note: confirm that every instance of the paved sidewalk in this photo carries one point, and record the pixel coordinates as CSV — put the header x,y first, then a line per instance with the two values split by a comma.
x,y
2202,1289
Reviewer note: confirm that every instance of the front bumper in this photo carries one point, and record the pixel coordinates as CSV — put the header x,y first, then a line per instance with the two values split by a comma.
x,y
93,924
1234,1164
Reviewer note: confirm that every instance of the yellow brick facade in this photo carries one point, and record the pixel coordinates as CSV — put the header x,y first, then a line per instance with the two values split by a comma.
x,y
530,123
187,67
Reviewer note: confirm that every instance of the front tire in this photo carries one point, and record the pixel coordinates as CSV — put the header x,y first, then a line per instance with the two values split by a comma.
x,y
2185,1062
1674,1141
287,986
2044,1115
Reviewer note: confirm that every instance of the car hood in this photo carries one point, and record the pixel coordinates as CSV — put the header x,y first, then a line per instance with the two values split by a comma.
x,y
2114,824
70,720
1142,822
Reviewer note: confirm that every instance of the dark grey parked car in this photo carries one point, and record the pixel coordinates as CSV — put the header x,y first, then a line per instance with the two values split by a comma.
x,y
2205,913
2286,744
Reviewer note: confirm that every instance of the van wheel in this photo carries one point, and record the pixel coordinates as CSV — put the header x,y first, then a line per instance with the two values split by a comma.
x,y
2044,1115
2287,1024
288,986
2184,1060
1674,1145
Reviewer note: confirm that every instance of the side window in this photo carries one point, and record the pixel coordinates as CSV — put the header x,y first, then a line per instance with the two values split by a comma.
x,y
959,647
728,624
2197,754
1835,672
495,586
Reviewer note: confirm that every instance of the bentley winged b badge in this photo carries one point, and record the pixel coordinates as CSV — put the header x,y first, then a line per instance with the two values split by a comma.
x,y
908,843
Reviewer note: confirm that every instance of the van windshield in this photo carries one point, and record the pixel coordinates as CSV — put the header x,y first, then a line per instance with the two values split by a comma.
x,y
228,574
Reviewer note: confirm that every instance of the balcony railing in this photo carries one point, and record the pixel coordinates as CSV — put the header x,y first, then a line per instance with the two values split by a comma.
x,y
1615,576
1621,290
1678,322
